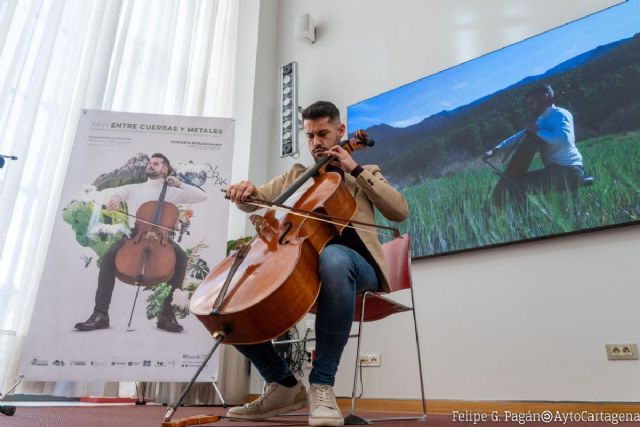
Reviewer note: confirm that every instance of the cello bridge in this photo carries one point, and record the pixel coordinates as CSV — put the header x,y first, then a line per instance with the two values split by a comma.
x,y
264,228
151,235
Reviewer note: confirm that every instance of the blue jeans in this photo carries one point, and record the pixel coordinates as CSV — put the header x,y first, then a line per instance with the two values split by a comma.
x,y
343,273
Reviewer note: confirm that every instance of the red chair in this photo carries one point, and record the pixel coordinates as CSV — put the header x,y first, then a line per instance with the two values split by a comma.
x,y
375,306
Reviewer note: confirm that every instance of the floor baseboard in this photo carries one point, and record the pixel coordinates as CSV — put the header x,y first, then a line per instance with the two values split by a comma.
x,y
437,406
449,406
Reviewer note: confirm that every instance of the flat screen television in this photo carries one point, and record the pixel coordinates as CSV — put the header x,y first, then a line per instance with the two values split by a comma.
x,y
434,136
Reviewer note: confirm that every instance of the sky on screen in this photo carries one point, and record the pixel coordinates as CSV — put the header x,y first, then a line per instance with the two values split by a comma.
x,y
471,80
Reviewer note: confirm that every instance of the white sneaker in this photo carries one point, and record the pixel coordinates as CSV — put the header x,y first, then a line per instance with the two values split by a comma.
x,y
276,400
323,409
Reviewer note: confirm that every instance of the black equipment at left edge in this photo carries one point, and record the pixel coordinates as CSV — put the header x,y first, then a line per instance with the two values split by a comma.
x,y
7,156
7,410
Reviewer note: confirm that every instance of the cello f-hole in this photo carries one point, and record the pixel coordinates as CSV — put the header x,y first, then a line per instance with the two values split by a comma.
x,y
287,226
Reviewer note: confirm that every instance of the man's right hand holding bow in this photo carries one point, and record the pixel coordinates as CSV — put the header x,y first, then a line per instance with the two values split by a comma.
x,y
241,191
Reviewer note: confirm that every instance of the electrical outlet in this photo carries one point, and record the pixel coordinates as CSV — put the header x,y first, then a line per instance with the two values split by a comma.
x,y
369,359
311,354
622,351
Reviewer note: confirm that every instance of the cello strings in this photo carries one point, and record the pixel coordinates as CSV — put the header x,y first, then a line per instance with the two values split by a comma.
x,y
277,208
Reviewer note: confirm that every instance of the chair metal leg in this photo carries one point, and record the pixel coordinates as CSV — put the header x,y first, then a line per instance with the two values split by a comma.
x,y
354,419
355,373
415,327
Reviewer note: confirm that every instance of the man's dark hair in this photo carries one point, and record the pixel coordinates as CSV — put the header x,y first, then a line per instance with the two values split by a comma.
x,y
164,159
321,109
540,90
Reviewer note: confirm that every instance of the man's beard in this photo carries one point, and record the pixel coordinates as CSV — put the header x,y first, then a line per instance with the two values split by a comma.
x,y
319,156
153,174
322,154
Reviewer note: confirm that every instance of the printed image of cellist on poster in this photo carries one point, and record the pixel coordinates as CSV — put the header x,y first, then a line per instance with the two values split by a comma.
x,y
540,138
142,216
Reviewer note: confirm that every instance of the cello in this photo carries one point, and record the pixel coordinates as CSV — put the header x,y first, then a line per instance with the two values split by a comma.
x,y
523,151
274,276
148,257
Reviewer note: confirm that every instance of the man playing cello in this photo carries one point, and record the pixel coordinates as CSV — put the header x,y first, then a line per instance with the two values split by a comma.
x,y
351,263
554,134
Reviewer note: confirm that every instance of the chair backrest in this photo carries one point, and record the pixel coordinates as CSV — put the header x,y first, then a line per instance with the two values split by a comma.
x,y
397,253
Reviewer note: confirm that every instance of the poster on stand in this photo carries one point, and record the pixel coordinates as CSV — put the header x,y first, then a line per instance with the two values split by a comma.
x,y
141,220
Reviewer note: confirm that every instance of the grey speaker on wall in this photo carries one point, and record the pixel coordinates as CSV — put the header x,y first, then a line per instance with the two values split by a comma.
x,y
305,29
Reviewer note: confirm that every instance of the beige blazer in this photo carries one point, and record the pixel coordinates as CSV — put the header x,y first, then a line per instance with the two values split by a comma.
x,y
369,190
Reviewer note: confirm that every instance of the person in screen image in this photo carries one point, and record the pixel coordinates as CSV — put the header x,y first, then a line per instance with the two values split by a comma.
x,y
553,131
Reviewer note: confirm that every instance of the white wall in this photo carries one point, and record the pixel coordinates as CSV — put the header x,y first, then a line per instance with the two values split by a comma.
x,y
523,322
255,98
